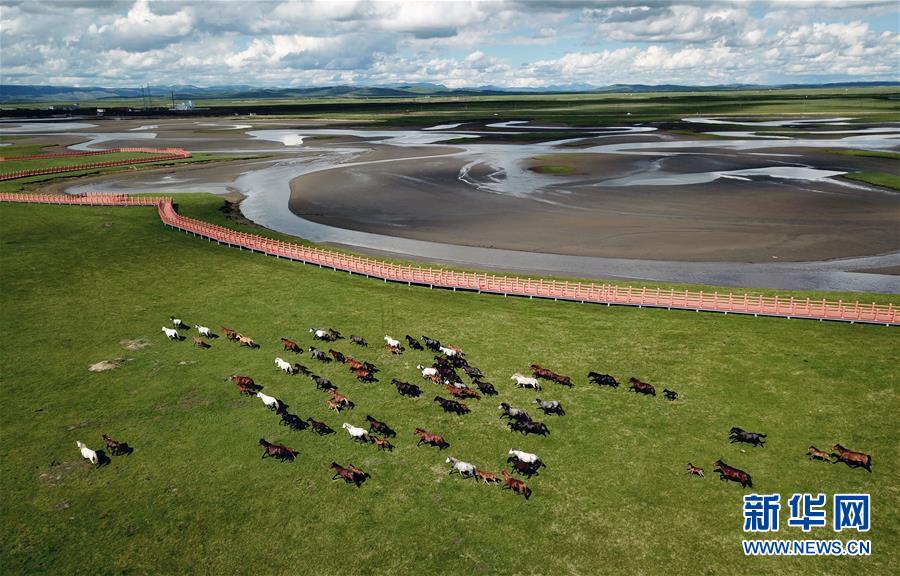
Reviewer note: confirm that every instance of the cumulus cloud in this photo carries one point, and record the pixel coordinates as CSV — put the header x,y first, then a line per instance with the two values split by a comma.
x,y
515,43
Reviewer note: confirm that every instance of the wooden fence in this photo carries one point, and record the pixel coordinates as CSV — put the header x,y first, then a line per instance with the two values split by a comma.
x,y
757,305
157,155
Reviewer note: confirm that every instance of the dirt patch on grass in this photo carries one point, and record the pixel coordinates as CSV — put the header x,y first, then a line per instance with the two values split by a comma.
x,y
233,211
136,344
107,365
56,473
189,401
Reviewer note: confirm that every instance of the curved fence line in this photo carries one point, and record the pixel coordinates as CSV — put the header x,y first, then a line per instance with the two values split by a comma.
x,y
608,294
160,155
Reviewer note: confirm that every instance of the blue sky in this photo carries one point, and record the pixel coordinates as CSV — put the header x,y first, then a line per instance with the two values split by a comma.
x,y
510,43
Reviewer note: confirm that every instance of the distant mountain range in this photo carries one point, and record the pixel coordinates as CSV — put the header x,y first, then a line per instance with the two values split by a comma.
x,y
162,95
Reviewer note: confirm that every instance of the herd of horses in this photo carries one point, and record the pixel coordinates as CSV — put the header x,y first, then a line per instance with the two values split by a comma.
x,y
444,372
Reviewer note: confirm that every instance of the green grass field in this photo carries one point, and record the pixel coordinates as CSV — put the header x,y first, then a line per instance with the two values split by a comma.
x,y
878,178
196,497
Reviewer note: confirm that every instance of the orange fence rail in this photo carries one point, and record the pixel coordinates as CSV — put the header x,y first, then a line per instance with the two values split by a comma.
x,y
757,305
158,155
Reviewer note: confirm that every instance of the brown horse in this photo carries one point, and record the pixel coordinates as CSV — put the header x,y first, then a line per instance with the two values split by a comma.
x,y
320,428
247,341
694,470
279,451
541,372
230,333
431,439
115,447
726,472
199,342
816,454
382,443
338,357
486,477
642,387
851,458
291,346
239,380
352,475
515,485
459,392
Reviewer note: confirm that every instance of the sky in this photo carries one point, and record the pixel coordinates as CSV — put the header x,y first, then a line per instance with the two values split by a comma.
x,y
506,43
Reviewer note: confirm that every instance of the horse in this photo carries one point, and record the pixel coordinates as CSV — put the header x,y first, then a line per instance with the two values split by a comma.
x,y
431,439
352,475
452,405
204,331
171,333
391,343
291,346
486,477
641,387
320,428
550,407
526,457
464,468
382,443
541,372
603,379
525,382
87,453
364,375
200,342
486,388
460,392
356,433
529,427
513,413
247,341
284,366
270,401
178,324
851,458
816,454
323,383
279,451
413,343
380,427
694,470
323,335
115,447
524,468
670,394
515,485
431,343
230,333
359,341
238,379
318,354
726,472
338,357
739,435
407,389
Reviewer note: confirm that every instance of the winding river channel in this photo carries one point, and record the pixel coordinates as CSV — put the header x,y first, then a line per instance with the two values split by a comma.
x,y
265,183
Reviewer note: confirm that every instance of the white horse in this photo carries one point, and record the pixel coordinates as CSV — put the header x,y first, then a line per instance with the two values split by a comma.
x,y
285,366
391,342
171,333
448,352
203,330
464,468
176,322
319,334
269,401
87,453
428,373
526,457
358,434
525,381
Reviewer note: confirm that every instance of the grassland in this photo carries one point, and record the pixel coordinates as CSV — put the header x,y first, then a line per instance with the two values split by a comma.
x,y
196,497
878,104
877,178
33,183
